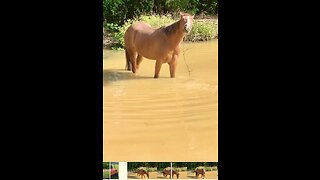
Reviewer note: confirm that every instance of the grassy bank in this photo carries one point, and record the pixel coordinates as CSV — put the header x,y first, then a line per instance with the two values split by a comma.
x,y
206,168
202,29
106,174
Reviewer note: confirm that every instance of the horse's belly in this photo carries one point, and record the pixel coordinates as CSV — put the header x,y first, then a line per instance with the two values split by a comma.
x,y
148,56
164,57
150,47
149,51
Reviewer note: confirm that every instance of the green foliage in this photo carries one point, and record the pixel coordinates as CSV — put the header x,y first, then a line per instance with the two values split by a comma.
x,y
203,31
157,21
119,36
106,165
179,169
162,165
113,11
148,169
111,27
212,164
180,164
115,165
193,165
207,168
118,15
189,6
152,169
148,166
118,11
106,174
208,7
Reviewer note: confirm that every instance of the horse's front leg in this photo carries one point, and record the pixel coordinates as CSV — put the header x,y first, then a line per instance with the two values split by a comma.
x,y
173,65
157,68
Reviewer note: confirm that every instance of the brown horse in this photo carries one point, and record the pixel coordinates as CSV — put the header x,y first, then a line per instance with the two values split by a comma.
x,y
200,171
167,172
141,172
175,173
162,44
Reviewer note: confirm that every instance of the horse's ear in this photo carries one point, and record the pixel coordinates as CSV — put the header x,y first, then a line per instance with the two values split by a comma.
x,y
181,14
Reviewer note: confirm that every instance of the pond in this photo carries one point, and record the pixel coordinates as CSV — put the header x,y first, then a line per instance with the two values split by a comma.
x,y
164,119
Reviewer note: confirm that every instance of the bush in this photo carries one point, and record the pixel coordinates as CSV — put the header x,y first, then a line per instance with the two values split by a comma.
x,y
179,169
106,175
203,30
106,165
111,27
189,6
115,166
210,168
118,11
148,169
151,169
157,21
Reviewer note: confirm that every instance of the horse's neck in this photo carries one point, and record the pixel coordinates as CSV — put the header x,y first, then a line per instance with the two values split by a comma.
x,y
176,37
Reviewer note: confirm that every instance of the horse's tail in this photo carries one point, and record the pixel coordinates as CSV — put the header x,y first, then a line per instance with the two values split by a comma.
x,y
128,63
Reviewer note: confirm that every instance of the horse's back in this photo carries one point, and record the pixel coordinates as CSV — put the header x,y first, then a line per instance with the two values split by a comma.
x,y
146,40
143,27
138,28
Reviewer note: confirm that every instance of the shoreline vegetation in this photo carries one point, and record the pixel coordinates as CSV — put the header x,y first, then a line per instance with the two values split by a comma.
x,y
118,15
204,28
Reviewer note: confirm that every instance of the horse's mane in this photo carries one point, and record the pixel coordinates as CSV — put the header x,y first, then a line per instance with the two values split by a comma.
x,y
170,29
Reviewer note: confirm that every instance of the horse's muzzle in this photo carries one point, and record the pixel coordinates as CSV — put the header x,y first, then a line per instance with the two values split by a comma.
x,y
186,29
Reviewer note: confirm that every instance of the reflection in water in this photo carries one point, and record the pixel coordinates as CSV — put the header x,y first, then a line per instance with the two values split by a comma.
x,y
165,119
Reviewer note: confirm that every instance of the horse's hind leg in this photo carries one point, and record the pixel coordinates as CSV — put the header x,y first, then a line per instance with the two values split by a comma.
x,y
128,62
133,60
139,59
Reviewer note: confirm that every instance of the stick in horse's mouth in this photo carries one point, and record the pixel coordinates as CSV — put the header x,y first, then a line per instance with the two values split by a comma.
x,y
162,44
184,58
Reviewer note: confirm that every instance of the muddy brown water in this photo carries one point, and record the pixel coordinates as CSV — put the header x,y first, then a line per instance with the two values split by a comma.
x,y
165,119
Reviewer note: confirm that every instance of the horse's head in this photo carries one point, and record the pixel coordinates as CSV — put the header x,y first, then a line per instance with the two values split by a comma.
x,y
186,19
